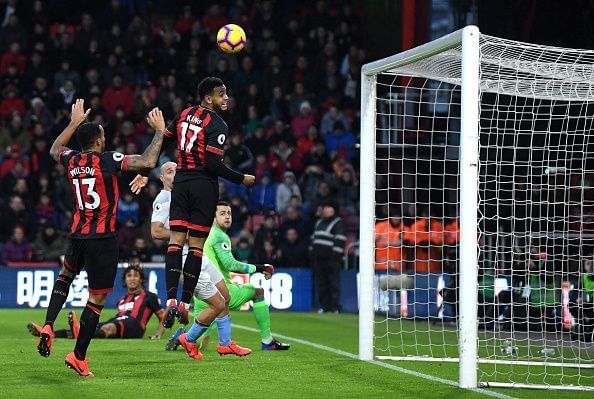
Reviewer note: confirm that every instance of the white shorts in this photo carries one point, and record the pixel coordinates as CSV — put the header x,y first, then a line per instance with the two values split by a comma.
x,y
210,268
209,277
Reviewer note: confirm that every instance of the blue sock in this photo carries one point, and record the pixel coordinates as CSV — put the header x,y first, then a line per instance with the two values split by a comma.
x,y
196,331
224,325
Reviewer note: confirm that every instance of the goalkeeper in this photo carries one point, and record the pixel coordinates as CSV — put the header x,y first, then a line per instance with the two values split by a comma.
x,y
217,250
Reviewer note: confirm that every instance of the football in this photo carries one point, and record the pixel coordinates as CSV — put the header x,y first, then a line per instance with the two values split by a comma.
x,y
231,38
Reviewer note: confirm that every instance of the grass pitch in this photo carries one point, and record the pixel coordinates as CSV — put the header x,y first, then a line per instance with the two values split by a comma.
x,y
142,368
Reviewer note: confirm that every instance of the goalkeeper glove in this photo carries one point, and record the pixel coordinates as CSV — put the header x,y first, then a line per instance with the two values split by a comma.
x,y
266,269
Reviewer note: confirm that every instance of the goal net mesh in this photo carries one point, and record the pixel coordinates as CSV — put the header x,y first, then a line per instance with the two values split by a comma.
x,y
535,212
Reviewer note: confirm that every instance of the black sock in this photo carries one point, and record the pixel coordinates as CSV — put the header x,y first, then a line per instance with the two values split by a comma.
x,y
58,298
88,324
62,333
173,269
192,269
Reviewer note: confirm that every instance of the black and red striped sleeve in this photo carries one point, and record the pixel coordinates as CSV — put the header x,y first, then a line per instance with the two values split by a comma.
x,y
154,303
216,134
114,161
65,154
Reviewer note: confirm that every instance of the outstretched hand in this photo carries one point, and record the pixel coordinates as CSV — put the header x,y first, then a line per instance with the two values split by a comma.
x,y
138,184
156,120
78,114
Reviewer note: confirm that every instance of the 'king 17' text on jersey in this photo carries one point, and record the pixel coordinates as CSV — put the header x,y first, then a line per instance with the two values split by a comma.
x,y
93,180
198,131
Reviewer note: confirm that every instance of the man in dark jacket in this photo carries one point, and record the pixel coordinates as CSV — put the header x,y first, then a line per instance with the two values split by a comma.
x,y
326,251
293,250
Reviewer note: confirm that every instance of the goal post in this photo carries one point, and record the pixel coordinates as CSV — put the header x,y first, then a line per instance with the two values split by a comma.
x,y
473,131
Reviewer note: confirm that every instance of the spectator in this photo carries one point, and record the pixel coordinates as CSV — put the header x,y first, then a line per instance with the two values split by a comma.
x,y
12,103
64,74
13,57
45,210
303,120
263,195
243,250
118,96
275,76
267,232
293,250
38,114
16,171
139,251
298,97
238,156
330,118
16,214
318,156
253,121
307,142
390,253
279,106
64,97
347,192
246,76
128,208
426,235
285,191
268,253
292,219
340,142
323,195
257,143
50,244
326,251
14,133
127,235
18,248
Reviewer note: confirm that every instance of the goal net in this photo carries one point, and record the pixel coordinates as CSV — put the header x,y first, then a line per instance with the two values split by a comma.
x,y
477,211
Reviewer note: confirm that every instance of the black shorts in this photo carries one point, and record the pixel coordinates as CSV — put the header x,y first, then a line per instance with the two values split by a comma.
x,y
99,257
126,327
193,206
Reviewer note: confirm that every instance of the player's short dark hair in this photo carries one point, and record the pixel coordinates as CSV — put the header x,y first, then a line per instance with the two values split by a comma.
x,y
207,85
87,134
137,268
223,203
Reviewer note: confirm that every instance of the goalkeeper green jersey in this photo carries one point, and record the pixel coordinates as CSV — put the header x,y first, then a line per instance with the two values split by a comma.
x,y
218,249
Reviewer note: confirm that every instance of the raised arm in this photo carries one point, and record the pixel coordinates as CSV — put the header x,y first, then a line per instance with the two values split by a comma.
x,y
77,116
150,156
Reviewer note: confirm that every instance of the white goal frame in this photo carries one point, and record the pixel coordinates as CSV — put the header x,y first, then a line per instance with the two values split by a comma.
x,y
468,359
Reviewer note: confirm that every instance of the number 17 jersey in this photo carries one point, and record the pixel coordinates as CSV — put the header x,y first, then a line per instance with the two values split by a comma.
x,y
93,180
197,131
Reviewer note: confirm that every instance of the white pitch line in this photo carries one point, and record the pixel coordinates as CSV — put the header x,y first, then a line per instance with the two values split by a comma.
x,y
378,363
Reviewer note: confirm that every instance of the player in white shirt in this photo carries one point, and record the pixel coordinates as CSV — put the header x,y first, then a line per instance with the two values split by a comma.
x,y
211,287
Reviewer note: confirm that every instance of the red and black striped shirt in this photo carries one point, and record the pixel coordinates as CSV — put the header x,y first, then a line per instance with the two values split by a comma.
x,y
93,179
198,131
140,306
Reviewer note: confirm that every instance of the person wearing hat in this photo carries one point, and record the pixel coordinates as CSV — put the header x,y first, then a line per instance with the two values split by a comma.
x,y
326,251
285,191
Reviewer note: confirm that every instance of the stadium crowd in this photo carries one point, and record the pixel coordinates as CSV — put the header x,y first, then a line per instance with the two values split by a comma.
x,y
292,114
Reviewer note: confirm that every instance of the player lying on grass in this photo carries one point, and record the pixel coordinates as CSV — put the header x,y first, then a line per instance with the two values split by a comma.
x,y
134,312
210,287
217,251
